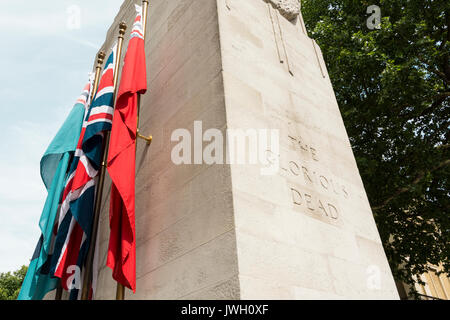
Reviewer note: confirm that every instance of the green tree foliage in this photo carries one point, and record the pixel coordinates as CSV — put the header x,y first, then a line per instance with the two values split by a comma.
x,y
10,284
392,86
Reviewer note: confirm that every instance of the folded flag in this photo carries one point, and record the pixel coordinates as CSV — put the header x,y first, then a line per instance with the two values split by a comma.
x,y
54,164
121,160
77,210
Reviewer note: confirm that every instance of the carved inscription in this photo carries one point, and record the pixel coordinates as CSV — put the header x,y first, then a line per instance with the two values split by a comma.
x,y
311,191
298,143
314,204
316,179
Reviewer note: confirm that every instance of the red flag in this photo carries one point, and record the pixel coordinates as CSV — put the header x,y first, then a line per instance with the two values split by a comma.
x,y
122,158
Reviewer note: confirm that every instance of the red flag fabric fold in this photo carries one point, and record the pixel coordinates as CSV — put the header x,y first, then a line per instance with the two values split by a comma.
x,y
121,161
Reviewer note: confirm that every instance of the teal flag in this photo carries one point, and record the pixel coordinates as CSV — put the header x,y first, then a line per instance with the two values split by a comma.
x,y
54,164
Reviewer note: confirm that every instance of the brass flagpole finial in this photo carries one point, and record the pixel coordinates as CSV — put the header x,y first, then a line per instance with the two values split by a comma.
x,y
100,58
122,29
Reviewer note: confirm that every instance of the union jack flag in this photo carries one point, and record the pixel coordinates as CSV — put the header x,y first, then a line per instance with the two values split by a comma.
x,y
77,208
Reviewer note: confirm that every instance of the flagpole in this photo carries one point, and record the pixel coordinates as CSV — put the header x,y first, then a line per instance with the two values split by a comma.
x,y
120,289
87,279
59,290
100,59
145,4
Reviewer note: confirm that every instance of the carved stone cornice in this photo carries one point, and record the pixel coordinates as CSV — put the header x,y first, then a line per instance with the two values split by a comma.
x,y
289,9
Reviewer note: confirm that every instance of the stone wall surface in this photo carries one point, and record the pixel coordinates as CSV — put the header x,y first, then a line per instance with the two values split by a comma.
x,y
226,231
186,244
307,232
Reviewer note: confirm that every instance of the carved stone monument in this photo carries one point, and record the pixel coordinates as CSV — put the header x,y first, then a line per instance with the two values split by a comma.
x,y
290,9
226,231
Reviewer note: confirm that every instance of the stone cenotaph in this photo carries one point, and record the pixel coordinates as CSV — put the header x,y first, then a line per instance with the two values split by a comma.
x,y
228,230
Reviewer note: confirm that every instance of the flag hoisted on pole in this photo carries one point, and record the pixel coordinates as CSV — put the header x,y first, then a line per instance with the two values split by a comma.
x,y
121,159
77,212
54,164
70,239
101,152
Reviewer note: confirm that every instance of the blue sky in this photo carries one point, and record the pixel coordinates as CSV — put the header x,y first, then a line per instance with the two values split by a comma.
x,y
45,58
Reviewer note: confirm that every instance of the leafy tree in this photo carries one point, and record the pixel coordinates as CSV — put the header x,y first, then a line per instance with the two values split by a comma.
x,y
393,89
10,284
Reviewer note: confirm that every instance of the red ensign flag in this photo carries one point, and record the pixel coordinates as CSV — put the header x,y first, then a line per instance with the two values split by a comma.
x,y
121,161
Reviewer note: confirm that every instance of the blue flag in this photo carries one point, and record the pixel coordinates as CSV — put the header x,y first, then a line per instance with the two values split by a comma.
x,y
54,166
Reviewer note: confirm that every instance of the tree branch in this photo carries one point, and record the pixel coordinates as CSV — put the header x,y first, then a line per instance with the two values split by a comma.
x,y
415,182
438,99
